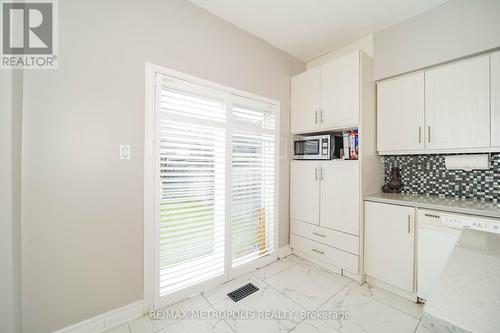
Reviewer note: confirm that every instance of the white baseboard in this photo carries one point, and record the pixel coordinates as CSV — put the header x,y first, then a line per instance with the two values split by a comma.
x,y
284,251
108,320
324,265
382,285
330,267
360,278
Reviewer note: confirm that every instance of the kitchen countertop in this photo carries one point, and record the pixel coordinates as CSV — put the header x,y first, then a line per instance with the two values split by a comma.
x,y
466,298
465,206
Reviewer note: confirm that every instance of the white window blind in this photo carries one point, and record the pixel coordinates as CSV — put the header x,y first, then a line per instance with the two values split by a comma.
x,y
211,144
192,174
253,155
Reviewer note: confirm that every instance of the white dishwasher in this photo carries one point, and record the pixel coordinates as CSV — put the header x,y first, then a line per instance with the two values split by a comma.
x,y
438,232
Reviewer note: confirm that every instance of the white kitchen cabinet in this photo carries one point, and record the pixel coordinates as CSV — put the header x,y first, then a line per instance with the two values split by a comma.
x,y
304,191
340,90
400,116
305,101
325,253
327,96
457,105
389,244
495,99
339,198
326,214
337,239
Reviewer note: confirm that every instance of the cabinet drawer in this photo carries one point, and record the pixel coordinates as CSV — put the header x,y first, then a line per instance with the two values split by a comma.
x,y
326,236
326,253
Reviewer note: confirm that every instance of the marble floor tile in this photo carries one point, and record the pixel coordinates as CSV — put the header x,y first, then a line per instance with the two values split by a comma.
x,y
143,325
264,311
198,326
367,315
306,263
307,286
422,329
274,268
411,308
313,326
194,303
220,292
291,285
119,329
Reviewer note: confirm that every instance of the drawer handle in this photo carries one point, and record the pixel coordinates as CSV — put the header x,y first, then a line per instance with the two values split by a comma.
x,y
319,235
318,251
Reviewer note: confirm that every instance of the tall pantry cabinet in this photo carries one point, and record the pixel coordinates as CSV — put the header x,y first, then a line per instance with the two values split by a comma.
x,y
326,210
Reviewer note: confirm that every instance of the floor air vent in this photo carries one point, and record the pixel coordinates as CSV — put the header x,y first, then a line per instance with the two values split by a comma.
x,y
242,292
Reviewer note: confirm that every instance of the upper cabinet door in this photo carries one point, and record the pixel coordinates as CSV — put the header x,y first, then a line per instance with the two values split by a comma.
x,y
340,200
304,191
495,99
340,92
305,90
400,113
457,105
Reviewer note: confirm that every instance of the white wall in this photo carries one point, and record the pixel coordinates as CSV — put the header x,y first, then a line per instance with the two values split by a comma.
x,y
456,29
82,206
10,222
364,44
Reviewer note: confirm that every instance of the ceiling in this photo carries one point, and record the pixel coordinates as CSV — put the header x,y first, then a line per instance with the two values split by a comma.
x,y
307,29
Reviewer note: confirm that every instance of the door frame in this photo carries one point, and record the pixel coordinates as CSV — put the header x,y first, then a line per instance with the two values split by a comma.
x,y
151,302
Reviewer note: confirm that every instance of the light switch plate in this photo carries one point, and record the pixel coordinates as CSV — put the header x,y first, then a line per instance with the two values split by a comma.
x,y
125,152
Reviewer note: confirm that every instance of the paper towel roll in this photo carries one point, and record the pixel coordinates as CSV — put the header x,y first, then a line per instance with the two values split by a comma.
x,y
467,162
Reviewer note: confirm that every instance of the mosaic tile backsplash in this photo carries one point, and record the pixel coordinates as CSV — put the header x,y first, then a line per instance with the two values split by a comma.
x,y
427,174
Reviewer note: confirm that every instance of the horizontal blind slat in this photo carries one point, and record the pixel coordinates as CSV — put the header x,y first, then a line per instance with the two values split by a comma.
x,y
252,184
192,180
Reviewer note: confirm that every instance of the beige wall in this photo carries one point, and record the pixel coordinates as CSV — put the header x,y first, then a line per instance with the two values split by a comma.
x,y
82,206
10,180
456,29
364,44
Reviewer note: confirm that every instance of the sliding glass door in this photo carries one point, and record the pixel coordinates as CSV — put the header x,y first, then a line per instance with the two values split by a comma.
x,y
253,169
215,186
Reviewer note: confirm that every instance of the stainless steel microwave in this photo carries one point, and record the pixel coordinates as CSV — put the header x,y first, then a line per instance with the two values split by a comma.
x,y
313,147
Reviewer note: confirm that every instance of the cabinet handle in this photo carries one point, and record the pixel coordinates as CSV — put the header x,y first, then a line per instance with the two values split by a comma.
x,y
409,223
319,235
429,134
315,116
318,251
419,134
315,173
321,116
321,174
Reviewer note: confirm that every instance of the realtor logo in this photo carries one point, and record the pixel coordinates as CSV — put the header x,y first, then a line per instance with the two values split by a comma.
x,y
29,34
